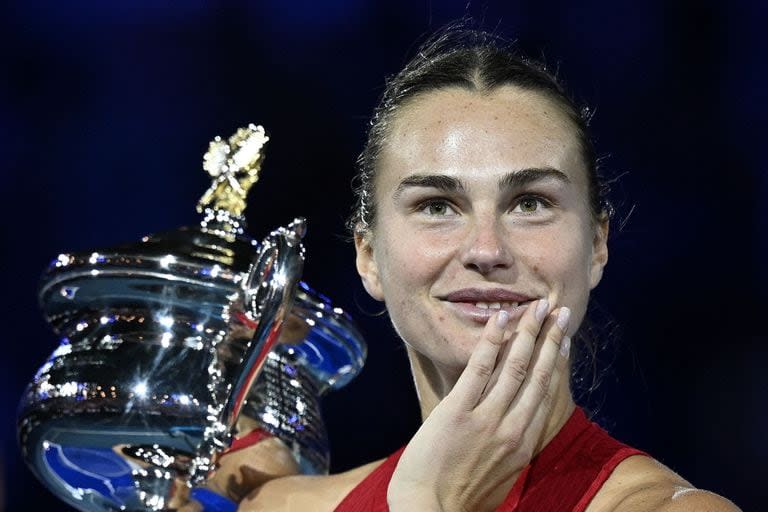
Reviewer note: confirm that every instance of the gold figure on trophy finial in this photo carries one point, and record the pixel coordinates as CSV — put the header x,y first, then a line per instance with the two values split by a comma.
x,y
234,166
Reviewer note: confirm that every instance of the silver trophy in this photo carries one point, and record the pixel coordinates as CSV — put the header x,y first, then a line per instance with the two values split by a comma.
x,y
174,347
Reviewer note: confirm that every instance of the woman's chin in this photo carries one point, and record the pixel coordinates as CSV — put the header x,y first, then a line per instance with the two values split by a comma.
x,y
451,367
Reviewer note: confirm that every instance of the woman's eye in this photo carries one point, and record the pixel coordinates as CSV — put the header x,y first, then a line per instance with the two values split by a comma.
x,y
437,208
530,204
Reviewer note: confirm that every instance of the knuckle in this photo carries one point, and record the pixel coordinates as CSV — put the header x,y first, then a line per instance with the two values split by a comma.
x,y
517,369
515,440
548,399
541,380
530,329
480,368
458,420
497,339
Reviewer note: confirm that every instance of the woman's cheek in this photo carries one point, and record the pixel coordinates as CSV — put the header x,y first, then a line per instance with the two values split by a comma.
x,y
420,254
558,258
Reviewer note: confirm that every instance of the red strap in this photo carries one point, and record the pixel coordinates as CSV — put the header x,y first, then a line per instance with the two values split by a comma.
x,y
605,472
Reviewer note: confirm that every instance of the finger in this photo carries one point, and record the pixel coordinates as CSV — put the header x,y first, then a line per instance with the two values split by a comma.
x,y
537,392
503,354
532,439
513,368
480,367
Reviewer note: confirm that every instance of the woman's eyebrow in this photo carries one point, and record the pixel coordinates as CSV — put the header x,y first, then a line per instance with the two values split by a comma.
x,y
513,179
523,177
438,181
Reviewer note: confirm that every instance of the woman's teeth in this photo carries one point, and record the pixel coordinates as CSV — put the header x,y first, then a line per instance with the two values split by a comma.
x,y
495,305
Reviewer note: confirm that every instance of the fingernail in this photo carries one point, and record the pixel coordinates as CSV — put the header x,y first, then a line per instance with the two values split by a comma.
x,y
542,308
562,318
501,319
565,346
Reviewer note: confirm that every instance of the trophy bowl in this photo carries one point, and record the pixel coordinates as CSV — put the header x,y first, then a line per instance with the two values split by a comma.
x,y
173,347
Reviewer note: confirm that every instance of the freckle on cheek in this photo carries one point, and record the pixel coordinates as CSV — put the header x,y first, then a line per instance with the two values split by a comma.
x,y
535,268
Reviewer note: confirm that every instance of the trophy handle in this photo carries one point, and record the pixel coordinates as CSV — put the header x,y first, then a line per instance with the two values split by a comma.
x,y
269,290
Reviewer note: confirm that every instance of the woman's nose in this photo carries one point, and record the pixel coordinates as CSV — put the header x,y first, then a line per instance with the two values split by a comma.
x,y
486,248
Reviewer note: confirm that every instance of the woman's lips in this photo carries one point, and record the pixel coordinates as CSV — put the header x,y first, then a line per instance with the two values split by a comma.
x,y
480,312
479,304
488,295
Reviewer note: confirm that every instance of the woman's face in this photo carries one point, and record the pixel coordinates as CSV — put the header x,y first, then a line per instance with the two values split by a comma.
x,y
481,204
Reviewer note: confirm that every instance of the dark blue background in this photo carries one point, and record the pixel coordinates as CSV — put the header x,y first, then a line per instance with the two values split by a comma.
x,y
106,109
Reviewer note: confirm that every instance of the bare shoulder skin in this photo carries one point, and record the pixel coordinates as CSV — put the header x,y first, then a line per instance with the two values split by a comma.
x,y
642,484
305,493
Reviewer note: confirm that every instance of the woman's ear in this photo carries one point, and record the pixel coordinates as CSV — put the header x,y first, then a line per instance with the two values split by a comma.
x,y
599,252
366,265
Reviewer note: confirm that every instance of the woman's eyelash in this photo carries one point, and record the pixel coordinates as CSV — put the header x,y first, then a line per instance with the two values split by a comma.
x,y
539,201
435,203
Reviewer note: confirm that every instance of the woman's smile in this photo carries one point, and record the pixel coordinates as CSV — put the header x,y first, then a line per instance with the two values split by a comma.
x,y
479,304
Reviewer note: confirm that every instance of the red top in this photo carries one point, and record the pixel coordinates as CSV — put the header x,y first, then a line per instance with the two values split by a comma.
x,y
566,475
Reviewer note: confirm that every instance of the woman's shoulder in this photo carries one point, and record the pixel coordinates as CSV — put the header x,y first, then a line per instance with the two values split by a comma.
x,y
641,483
303,493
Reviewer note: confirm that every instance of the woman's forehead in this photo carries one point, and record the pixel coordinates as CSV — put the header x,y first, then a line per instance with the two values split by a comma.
x,y
460,131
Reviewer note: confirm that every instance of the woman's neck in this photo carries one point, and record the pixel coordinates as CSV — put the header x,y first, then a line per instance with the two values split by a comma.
x,y
433,383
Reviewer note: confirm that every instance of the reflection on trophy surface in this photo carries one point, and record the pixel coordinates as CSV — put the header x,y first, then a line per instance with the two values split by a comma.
x,y
182,348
